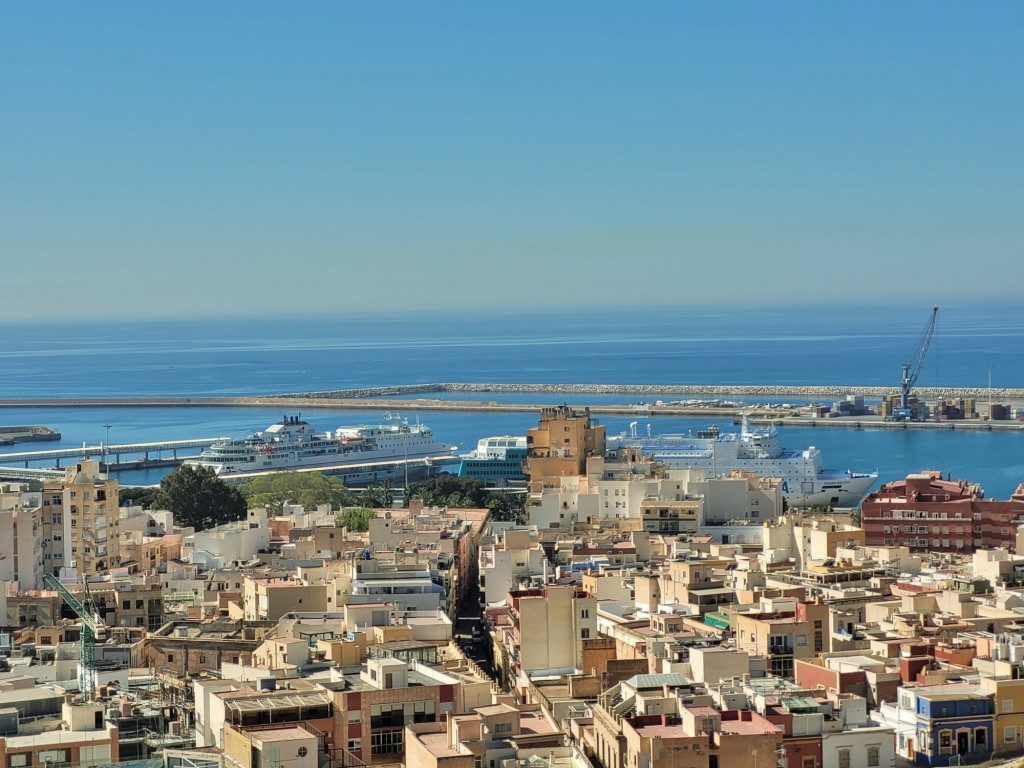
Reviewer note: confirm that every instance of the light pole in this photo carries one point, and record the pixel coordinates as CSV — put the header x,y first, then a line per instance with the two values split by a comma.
x,y
106,443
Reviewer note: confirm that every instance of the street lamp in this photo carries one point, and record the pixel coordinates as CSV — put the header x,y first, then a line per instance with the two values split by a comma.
x,y
106,444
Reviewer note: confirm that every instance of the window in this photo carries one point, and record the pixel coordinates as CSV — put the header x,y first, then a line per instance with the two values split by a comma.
x,y
584,634
817,623
503,727
170,658
809,762
355,745
16,761
386,742
872,754
844,758
945,741
585,614
1009,734
302,752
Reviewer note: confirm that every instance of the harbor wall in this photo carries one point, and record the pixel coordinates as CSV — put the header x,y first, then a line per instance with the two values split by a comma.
x,y
704,390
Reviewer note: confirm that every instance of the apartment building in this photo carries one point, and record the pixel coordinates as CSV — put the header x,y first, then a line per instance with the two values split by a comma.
x,y
783,630
80,522
374,703
926,513
506,559
86,741
560,445
21,552
547,631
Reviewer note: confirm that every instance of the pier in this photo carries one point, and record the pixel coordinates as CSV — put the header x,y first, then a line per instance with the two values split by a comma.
x,y
706,402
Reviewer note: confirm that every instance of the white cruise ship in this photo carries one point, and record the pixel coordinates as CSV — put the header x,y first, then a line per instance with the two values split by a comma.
x,y
804,481
357,455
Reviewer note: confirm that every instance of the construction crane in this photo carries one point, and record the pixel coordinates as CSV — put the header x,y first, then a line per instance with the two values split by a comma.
x,y
93,629
910,374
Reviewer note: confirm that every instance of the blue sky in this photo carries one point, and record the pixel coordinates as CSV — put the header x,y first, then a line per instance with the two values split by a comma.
x,y
210,158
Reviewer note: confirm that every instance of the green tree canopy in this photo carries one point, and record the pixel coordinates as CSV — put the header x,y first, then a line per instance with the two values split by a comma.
x,y
507,506
378,496
445,490
139,497
356,518
306,488
198,498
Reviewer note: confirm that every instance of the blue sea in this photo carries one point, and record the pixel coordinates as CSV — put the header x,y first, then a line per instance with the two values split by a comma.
x,y
721,345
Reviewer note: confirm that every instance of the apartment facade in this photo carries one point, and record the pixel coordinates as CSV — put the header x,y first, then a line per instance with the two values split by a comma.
x,y
21,552
926,513
80,522
561,445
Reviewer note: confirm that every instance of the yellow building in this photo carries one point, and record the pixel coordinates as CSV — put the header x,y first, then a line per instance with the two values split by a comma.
x,y
294,746
561,445
1008,725
784,631
80,522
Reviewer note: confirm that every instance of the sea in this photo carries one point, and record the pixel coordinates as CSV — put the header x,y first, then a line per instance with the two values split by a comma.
x,y
974,345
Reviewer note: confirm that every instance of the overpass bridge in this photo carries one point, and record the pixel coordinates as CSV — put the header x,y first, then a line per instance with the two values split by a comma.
x,y
104,453
30,473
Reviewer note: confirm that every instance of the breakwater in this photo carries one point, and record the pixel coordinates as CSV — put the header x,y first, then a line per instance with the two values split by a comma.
x,y
701,390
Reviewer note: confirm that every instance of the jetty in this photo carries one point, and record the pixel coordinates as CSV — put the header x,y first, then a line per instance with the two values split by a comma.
x,y
652,401
29,434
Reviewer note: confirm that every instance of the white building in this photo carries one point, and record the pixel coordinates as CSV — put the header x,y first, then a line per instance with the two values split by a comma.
x,y
21,555
229,544
510,557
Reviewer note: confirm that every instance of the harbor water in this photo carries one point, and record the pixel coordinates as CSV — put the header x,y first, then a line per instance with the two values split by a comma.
x,y
708,346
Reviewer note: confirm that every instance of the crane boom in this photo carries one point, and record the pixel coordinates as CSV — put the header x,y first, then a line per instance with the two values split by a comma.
x,y
910,374
92,628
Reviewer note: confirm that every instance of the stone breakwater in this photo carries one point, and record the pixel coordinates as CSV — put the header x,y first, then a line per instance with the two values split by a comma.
x,y
702,391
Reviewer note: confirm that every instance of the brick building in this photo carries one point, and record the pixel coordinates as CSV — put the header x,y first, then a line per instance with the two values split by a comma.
x,y
925,512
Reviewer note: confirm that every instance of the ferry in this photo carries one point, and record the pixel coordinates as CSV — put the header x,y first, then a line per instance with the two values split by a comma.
x,y
358,455
804,481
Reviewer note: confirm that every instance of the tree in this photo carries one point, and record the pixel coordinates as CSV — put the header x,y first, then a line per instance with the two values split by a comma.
x,y
198,498
356,518
309,489
379,496
445,490
138,496
507,506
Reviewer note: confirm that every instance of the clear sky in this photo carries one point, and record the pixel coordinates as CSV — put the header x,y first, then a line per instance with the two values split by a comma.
x,y
209,158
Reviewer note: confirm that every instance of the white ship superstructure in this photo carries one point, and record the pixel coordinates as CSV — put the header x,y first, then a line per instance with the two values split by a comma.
x,y
805,482
357,455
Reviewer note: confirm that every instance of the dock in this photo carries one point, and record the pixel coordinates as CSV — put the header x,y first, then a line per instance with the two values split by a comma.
x,y
29,434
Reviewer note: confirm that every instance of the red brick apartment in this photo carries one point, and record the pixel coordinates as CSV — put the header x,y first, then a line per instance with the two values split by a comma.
x,y
925,512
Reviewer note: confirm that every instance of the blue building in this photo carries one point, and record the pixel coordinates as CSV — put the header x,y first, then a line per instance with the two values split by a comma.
x,y
954,724
497,462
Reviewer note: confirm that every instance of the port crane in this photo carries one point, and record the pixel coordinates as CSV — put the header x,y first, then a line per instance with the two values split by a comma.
x,y
910,374
93,629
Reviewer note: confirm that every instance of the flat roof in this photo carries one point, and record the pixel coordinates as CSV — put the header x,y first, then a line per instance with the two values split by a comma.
x,y
281,734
